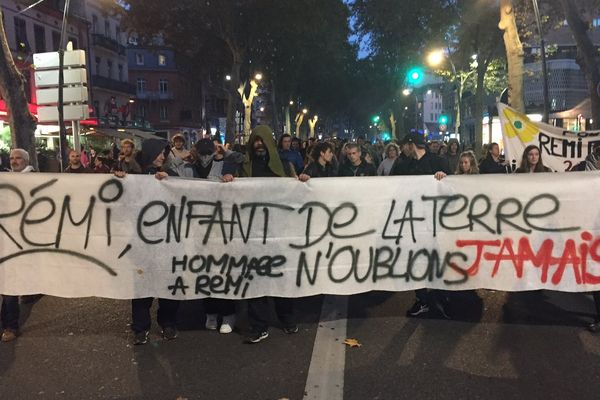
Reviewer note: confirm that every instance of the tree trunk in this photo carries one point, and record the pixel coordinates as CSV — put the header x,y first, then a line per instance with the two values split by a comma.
x,y
514,55
586,56
274,110
232,97
288,122
12,89
393,126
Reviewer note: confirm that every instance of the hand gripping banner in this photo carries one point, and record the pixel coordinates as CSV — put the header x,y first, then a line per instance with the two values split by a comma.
x,y
96,235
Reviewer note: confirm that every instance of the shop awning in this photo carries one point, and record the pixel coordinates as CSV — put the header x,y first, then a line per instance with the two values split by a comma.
x,y
583,109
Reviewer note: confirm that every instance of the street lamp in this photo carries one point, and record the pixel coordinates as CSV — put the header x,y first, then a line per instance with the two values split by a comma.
x,y
291,102
435,58
304,110
406,92
227,77
258,76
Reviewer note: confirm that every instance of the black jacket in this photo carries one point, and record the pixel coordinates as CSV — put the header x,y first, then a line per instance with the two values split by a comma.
x,y
316,170
429,164
363,169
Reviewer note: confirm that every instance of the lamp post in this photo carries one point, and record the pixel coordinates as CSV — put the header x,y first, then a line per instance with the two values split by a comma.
x,y
434,59
546,114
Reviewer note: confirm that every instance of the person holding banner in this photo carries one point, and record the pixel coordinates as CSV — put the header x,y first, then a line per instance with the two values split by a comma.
x,y
467,164
422,162
531,161
151,160
322,167
10,310
262,161
493,163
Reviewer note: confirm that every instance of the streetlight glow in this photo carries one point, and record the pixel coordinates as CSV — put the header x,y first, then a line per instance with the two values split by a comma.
x,y
435,58
406,92
291,102
304,111
227,77
262,109
258,76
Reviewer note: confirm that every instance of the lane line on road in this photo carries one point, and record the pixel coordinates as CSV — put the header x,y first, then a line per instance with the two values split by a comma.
x,y
326,371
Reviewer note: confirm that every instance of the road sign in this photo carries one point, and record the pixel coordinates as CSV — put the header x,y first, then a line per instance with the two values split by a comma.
x,y
75,93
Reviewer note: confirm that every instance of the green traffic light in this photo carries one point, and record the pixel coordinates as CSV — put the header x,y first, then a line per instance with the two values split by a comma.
x,y
443,119
415,75
375,119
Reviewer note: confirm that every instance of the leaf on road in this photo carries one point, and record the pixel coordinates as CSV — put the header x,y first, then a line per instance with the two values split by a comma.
x,y
352,343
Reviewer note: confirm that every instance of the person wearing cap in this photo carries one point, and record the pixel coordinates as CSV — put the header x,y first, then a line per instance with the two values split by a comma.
x,y
422,162
151,159
211,160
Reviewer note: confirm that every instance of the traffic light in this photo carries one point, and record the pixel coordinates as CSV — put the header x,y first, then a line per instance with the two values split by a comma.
x,y
443,119
375,119
414,75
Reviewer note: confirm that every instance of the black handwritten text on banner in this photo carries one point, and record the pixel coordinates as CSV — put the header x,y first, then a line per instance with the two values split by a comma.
x,y
92,235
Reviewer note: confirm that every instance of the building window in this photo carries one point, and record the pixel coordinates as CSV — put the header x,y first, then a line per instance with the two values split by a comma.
x,y
55,40
40,38
118,33
120,73
596,22
109,63
164,113
142,111
94,24
163,86
107,28
21,34
98,61
141,85
162,60
139,58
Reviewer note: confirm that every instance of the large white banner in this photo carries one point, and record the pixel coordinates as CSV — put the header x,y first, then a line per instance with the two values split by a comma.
x,y
561,149
96,235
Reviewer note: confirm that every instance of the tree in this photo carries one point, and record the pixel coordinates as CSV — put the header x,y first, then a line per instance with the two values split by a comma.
x,y
12,89
587,53
514,55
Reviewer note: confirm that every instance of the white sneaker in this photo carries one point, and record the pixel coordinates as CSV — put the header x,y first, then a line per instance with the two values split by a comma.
x,y
228,324
211,322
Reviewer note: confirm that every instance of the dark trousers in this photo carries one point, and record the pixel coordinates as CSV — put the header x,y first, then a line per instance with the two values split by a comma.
x,y
9,314
219,306
597,302
432,297
259,311
140,313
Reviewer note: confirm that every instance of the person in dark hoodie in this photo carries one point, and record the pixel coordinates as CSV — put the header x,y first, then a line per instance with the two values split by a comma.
x,y
151,160
422,162
262,161
452,155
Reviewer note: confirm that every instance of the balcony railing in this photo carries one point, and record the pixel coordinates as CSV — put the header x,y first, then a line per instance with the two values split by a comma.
x,y
108,43
154,95
111,84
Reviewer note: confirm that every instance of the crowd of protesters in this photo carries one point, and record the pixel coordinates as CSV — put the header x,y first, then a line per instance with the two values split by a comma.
x,y
263,157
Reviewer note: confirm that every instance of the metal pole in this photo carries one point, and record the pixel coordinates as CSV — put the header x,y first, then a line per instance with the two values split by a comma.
x,y
61,82
545,116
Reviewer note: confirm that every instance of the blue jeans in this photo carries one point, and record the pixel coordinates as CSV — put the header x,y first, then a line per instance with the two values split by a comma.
x,y
9,314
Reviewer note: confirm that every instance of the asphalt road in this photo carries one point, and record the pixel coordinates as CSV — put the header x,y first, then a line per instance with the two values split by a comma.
x,y
498,346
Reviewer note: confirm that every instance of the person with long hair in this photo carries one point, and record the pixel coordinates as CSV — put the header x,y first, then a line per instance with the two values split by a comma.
x,y
391,154
531,161
467,164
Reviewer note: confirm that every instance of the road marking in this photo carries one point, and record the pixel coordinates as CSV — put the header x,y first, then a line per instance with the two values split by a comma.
x,y
326,371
